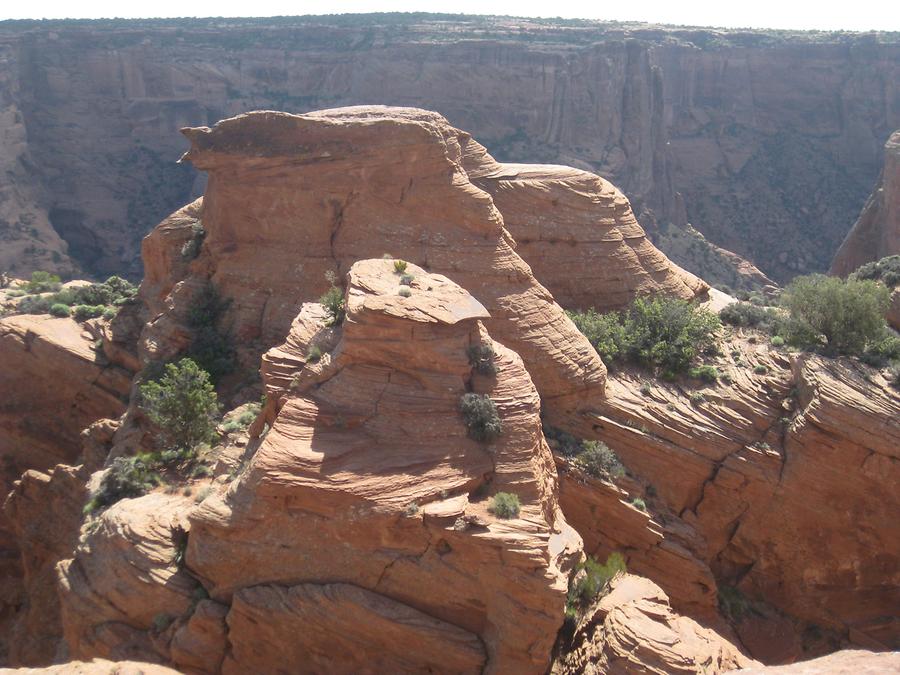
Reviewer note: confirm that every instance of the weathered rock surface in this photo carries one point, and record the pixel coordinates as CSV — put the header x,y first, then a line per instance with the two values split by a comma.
x,y
846,662
876,233
44,511
54,384
789,480
96,667
771,138
365,432
634,630
293,197
564,218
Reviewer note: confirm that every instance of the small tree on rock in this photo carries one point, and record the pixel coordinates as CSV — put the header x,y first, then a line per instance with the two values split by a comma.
x,y
183,404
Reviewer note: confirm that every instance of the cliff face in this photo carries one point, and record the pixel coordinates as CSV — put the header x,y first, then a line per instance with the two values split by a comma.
x,y
876,233
765,142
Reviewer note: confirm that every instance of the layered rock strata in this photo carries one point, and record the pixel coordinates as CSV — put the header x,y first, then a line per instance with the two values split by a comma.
x,y
876,233
365,491
810,444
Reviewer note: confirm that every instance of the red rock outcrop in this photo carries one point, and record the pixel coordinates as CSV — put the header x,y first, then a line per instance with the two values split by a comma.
x,y
876,234
633,629
54,384
364,433
292,197
786,478
845,662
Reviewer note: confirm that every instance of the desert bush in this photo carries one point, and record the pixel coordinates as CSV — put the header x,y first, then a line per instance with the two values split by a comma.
x,y
404,291
664,334
639,504
481,358
835,316
126,478
480,416
85,312
760,369
599,461
886,270
563,442
777,341
333,301
697,398
705,373
883,350
894,376
183,404
314,355
59,309
400,266
42,282
593,580
211,347
505,505
747,315
604,331
406,279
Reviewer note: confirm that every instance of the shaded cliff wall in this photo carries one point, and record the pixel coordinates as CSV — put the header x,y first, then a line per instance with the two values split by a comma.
x,y
774,140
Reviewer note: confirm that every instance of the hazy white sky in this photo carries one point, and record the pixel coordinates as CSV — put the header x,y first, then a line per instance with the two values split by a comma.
x,y
824,14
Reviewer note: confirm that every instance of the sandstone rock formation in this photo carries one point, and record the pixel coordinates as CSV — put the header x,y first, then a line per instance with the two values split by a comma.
x,y
98,667
367,181
846,662
633,630
876,233
810,445
55,384
365,491
667,114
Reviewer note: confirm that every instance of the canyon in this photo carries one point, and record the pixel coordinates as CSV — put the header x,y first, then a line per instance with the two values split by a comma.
x,y
764,144
352,523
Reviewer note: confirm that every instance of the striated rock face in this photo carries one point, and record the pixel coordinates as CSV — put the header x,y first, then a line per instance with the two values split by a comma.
x,y
876,234
293,197
633,630
667,114
787,481
54,384
45,514
564,218
364,433
846,662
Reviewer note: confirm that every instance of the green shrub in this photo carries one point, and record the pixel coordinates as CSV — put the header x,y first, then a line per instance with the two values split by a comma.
x,y
697,398
594,579
406,279
84,312
15,293
777,341
404,291
183,404
894,376
211,348
886,270
760,369
110,313
481,358
333,301
599,461
563,442
505,505
883,350
639,504
399,266
838,317
646,389
314,355
661,333
60,310
34,304
480,416
604,331
126,478
705,373
43,282
113,291
747,315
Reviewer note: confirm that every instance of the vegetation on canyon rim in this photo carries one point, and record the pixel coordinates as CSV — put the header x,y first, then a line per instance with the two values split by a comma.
x,y
183,406
590,580
84,302
481,417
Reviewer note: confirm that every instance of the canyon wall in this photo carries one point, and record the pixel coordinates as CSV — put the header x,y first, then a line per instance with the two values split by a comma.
x,y
768,143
